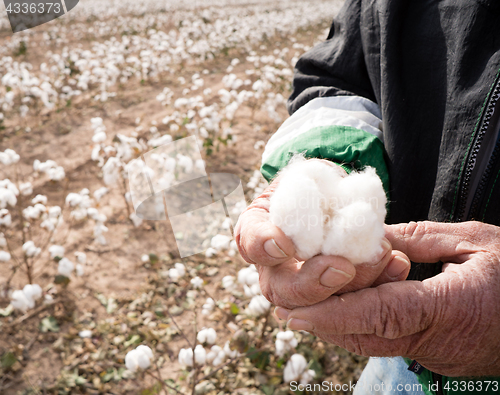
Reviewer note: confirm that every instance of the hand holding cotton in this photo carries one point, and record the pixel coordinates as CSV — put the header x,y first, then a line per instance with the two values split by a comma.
x,y
324,212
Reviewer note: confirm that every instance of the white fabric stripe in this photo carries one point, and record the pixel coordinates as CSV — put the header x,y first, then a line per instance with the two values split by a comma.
x,y
354,111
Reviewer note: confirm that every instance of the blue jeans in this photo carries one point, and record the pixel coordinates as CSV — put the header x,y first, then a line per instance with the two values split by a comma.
x,y
388,376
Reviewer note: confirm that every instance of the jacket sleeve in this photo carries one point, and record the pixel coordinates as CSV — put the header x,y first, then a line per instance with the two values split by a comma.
x,y
334,114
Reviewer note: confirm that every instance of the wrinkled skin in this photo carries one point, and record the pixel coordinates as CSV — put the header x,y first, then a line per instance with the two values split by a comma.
x,y
449,323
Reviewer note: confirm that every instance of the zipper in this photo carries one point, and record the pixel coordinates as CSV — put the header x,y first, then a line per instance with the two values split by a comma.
x,y
474,209
480,159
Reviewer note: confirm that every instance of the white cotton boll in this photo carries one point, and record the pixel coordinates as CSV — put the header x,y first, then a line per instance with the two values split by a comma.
x,y
228,283
65,267
364,186
30,250
295,211
181,269
355,233
307,376
56,173
19,301
323,212
294,368
285,342
208,306
99,193
73,199
252,290
210,252
220,358
213,354
145,356
220,242
140,358
200,355
54,211
26,188
5,218
85,334
207,335
32,292
56,251
230,353
197,282
7,197
186,357
99,137
81,257
96,122
80,271
4,256
247,273
145,258
258,306
78,214
39,199
173,274
185,162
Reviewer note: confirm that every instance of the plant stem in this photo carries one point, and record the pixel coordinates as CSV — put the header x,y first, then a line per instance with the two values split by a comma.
x,y
180,330
163,384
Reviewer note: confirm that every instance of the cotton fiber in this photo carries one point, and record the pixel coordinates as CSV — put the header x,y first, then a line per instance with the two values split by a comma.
x,y
326,213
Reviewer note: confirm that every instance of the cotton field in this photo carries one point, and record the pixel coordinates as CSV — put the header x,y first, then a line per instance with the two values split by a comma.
x,y
95,299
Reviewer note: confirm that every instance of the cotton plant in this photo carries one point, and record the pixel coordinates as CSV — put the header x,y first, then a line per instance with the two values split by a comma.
x,y
26,298
139,359
207,336
296,370
258,306
285,342
177,272
249,278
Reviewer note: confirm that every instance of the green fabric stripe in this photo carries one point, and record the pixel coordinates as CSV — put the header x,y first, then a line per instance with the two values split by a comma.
x,y
348,146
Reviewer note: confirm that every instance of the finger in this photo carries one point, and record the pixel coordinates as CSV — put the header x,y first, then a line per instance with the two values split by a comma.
x,y
374,346
390,311
258,240
292,284
429,242
397,269
261,242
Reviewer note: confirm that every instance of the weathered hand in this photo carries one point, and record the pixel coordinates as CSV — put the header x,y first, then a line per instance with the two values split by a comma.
x,y
449,323
288,282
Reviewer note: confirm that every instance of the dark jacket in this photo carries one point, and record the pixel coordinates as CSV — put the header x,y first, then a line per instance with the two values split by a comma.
x,y
433,69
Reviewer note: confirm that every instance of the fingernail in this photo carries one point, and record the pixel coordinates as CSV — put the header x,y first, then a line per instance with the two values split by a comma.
x,y
281,313
386,245
397,266
332,278
273,250
300,325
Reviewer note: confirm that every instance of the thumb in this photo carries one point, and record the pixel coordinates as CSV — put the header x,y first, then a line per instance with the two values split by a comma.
x,y
429,242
